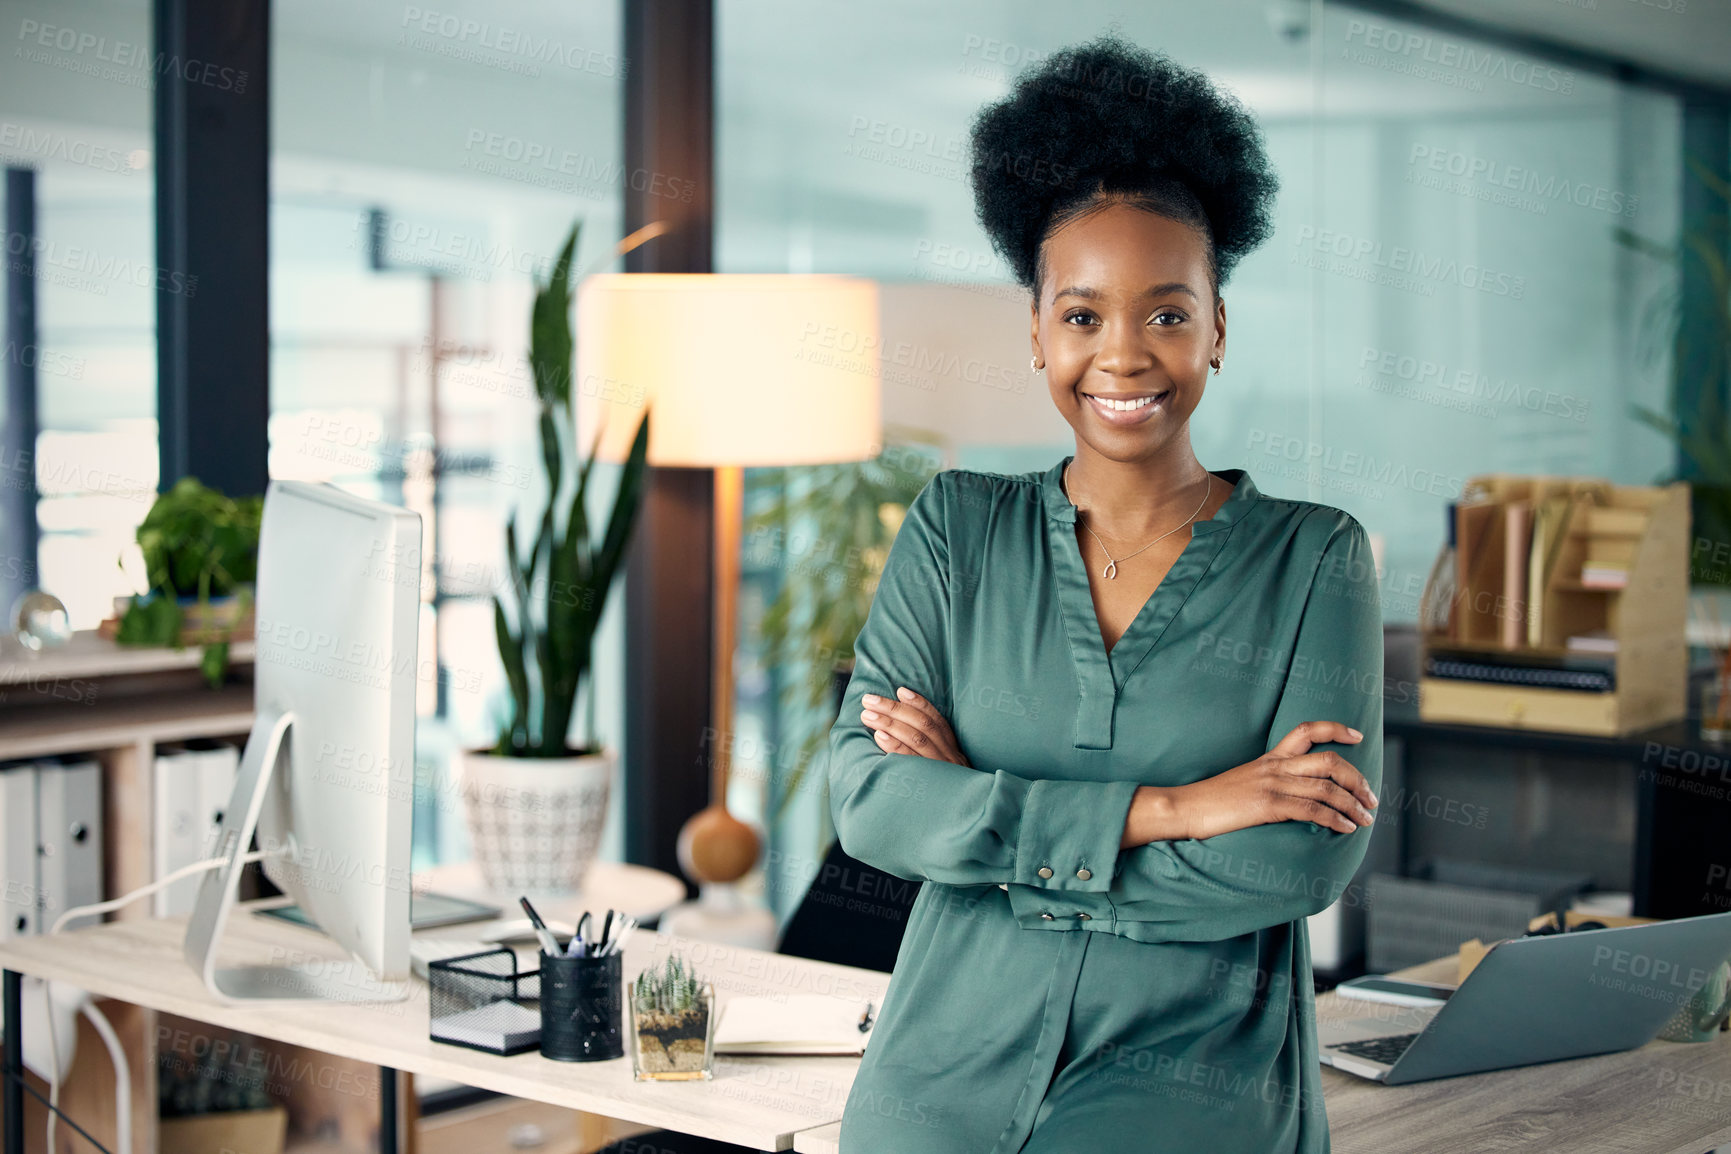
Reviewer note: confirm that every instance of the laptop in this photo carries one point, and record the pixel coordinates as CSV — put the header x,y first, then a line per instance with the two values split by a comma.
x,y
1538,999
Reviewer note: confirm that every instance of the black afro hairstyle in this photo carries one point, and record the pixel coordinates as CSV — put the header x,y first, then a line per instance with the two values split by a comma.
x,y
1109,122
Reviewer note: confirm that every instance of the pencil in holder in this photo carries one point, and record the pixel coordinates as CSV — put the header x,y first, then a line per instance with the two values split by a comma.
x,y
580,1008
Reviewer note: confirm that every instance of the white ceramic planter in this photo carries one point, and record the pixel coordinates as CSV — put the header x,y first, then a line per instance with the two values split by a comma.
x,y
535,823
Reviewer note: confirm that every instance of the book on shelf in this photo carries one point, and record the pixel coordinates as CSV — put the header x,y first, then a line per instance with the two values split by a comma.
x,y
1479,529
1597,574
1592,641
1517,551
1587,672
1550,526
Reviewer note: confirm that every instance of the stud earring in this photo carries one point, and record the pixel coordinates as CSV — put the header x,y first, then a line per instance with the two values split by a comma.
x,y
1034,364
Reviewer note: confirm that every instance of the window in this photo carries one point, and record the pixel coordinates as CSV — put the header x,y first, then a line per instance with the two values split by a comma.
x,y
426,167
75,110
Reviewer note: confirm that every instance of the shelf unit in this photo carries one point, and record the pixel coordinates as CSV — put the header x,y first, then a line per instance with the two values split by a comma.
x,y
116,705
1645,528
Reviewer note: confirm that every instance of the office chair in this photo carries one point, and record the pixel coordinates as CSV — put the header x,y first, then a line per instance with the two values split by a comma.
x,y
823,929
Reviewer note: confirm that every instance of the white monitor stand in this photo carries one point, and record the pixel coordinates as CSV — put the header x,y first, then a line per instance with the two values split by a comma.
x,y
310,981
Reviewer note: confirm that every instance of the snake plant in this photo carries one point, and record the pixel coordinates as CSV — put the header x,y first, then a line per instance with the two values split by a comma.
x,y
557,591
1703,435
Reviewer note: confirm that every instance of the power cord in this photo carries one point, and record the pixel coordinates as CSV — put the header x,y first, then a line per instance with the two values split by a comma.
x,y
99,1021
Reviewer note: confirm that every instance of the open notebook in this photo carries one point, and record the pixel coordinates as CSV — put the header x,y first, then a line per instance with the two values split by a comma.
x,y
808,1024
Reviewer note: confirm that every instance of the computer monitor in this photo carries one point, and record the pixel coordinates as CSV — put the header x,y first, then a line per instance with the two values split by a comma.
x,y
327,778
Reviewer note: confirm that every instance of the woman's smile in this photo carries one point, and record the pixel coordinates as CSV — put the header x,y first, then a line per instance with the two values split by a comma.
x,y
1123,409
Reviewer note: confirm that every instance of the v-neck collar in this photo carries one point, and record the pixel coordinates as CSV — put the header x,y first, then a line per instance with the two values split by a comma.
x,y
1099,674
1244,493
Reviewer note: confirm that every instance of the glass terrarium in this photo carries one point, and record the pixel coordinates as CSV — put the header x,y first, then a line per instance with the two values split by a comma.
x,y
672,1024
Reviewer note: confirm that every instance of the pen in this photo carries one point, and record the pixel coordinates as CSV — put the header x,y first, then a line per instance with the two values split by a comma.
x,y
627,923
606,929
549,943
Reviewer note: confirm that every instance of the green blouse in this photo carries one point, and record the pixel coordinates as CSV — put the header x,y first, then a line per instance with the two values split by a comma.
x,y
1054,993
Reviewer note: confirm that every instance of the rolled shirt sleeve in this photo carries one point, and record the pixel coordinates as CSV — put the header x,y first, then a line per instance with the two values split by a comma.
x,y
920,818
1265,875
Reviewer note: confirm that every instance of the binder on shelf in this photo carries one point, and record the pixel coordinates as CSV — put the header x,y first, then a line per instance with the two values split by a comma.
x,y
1601,575
190,788
69,832
18,851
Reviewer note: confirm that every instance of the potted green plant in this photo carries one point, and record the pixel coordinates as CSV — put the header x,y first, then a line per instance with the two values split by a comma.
x,y
200,559
854,509
535,805
672,1024
1704,434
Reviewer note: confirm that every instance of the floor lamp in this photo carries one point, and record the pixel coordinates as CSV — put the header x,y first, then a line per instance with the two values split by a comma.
x,y
743,371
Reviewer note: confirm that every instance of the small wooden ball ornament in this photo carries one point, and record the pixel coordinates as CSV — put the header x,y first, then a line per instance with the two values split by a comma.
x,y
715,846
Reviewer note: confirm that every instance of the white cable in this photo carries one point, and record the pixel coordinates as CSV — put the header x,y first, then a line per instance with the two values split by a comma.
x,y
209,863
53,1060
116,1057
123,1076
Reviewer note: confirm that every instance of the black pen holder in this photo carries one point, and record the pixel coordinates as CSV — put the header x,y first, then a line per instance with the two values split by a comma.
x,y
581,1000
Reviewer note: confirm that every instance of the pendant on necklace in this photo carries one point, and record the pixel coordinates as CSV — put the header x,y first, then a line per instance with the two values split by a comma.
x,y
1111,570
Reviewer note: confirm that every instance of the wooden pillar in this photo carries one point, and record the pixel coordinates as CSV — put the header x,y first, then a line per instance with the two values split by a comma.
x,y
669,132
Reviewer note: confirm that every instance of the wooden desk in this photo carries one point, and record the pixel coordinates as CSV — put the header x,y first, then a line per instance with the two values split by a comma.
x,y
823,1140
756,1102
1665,1098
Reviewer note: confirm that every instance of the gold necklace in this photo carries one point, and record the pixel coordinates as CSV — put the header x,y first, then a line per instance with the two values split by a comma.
x,y
1110,572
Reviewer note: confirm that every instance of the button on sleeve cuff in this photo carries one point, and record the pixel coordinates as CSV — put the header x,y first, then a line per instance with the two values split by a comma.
x,y
1069,833
1041,909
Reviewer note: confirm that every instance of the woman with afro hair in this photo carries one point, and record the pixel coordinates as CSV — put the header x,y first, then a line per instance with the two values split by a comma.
x,y
1122,716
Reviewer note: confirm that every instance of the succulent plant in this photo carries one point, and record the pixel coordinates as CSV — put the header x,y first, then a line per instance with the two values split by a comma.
x,y
673,989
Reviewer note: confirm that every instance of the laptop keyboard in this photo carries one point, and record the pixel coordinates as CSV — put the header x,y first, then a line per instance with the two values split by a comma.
x,y
1384,1050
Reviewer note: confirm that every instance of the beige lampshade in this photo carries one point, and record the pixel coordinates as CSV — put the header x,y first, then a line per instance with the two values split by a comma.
x,y
744,370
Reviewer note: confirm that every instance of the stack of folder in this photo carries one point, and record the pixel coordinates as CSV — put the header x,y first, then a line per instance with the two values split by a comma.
x,y
1533,541
1508,558
1558,604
